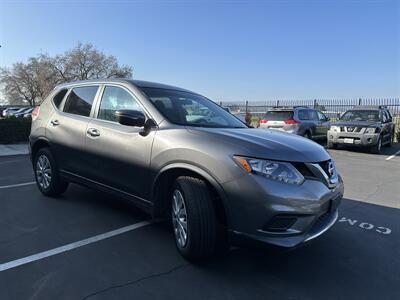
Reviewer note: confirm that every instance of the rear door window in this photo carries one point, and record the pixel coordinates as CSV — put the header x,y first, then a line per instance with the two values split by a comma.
x,y
304,114
279,115
80,100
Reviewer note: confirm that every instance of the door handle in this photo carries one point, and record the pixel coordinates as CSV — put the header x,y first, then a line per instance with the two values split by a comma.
x,y
54,122
93,132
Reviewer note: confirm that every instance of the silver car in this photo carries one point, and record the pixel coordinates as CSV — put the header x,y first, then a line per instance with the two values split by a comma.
x,y
178,155
301,120
363,126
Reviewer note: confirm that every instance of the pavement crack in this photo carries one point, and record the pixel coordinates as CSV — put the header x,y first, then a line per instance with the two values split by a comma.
x,y
151,276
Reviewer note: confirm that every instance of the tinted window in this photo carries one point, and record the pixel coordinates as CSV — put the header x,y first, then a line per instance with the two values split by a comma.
x,y
279,115
113,99
387,114
313,115
59,97
384,116
303,114
80,100
321,116
185,108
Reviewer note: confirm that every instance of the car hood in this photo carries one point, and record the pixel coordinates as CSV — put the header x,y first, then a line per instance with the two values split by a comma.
x,y
356,123
269,144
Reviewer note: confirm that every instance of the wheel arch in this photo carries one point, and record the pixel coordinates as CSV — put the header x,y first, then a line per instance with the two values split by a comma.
x,y
38,144
166,177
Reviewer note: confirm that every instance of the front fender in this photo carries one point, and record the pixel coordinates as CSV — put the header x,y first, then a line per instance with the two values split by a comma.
x,y
197,169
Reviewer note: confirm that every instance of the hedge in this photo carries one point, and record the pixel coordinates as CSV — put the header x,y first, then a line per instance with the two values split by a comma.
x,y
14,130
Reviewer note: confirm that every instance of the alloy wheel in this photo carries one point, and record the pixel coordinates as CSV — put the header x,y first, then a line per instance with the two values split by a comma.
x,y
179,218
43,171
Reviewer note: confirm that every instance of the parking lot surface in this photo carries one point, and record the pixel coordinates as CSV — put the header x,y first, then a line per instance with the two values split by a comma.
x,y
359,258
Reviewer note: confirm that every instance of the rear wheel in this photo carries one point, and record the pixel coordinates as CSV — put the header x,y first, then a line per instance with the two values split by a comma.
x,y
46,174
193,218
376,149
308,135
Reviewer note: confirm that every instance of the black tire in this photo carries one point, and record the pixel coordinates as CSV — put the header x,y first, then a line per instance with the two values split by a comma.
x,y
331,145
56,186
376,149
390,143
308,135
201,218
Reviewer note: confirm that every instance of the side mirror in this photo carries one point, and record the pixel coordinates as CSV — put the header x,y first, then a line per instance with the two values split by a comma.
x,y
130,117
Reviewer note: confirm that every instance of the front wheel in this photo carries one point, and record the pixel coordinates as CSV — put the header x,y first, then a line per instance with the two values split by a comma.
x,y
46,174
193,218
376,149
390,142
331,145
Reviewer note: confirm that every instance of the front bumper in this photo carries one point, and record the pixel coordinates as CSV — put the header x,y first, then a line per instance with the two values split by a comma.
x,y
257,204
353,138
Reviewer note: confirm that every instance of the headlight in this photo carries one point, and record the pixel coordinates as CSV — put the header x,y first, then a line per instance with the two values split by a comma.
x,y
279,171
335,128
372,130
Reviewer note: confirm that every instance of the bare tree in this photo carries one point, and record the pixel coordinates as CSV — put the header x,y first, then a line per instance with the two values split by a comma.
x,y
30,82
86,62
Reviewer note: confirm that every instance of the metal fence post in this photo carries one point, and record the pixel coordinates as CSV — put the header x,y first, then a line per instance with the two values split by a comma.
x,y
315,103
247,106
359,101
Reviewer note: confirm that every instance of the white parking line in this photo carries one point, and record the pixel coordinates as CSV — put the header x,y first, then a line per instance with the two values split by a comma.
x,y
68,247
391,156
10,161
16,185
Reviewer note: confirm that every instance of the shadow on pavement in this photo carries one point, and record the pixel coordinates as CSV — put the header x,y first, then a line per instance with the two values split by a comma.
x,y
349,262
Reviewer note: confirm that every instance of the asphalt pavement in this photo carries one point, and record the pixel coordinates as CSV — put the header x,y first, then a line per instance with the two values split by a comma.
x,y
359,258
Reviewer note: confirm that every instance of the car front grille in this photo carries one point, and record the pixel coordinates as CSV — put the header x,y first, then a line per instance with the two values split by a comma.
x,y
350,129
324,171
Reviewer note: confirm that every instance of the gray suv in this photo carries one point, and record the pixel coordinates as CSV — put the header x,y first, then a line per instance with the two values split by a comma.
x,y
308,122
363,126
178,155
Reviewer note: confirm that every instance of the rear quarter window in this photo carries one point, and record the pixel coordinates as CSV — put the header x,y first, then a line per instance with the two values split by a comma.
x,y
80,100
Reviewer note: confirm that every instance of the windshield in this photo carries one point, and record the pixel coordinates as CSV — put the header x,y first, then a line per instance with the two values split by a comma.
x,y
360,115
188,109
276,115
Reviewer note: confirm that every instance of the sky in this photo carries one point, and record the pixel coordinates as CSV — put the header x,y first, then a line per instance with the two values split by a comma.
x,y
225,50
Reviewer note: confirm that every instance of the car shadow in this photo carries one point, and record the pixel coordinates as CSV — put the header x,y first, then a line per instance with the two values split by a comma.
x,y
348,262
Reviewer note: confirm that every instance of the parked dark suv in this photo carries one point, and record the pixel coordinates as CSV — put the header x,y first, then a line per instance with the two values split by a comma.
x,y
363,126
304,121
176,154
